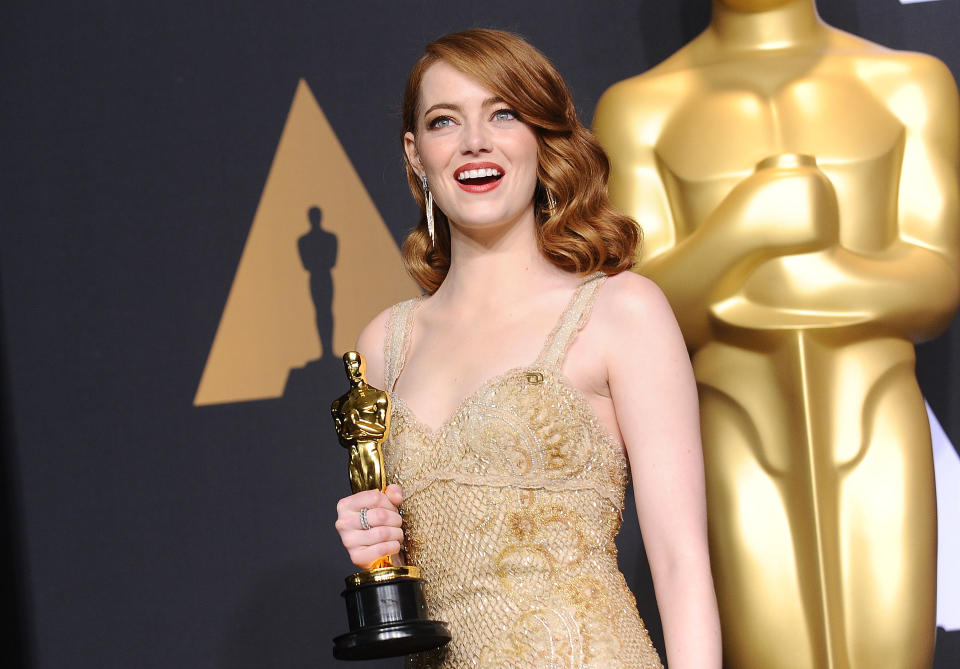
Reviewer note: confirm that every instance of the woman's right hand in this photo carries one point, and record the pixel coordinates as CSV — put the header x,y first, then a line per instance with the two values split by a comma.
x,y
385,536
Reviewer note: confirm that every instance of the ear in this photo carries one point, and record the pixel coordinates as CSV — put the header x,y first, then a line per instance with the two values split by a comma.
x,y
413,155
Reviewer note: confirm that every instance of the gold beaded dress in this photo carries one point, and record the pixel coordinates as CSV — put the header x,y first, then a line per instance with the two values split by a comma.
x,y
510,509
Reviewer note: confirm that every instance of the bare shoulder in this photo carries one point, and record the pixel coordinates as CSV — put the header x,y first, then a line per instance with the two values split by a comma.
x,y
637,334
628,300
632,319
370,344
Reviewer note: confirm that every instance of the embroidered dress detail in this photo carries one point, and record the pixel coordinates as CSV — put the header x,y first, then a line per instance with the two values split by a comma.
x,y
511,508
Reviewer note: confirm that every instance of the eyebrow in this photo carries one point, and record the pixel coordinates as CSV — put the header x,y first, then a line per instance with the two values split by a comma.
x,y
457,108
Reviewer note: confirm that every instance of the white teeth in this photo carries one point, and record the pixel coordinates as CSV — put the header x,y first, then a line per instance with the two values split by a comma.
x,y
476,174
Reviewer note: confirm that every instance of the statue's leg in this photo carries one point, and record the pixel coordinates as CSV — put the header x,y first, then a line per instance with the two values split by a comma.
x,y
373,467
888,522
821,507
356,470
753,548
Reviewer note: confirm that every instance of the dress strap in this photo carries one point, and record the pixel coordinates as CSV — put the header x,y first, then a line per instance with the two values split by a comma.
x,y
397,340
572,320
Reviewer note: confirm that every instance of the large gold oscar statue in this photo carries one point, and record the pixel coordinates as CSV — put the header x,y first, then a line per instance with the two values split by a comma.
x,y
797,187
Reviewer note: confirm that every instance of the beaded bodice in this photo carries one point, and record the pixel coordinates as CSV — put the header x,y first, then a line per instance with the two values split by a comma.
x,y
511,508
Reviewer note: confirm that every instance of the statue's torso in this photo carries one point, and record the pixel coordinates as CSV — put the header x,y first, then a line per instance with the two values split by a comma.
x,y
725,121
362,414
780,334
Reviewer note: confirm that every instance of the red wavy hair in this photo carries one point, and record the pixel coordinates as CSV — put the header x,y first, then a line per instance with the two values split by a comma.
x,y
583,233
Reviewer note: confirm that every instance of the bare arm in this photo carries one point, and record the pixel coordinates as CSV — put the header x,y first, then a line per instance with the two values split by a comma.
x,y
655,399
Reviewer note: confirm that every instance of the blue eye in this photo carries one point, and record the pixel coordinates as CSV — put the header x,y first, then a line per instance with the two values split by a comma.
x,y
440,122
504,115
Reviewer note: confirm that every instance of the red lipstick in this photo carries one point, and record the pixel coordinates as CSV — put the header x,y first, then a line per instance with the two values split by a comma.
x,y
478,177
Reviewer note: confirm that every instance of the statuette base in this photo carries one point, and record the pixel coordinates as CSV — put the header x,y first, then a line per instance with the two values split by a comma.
x,y
387,618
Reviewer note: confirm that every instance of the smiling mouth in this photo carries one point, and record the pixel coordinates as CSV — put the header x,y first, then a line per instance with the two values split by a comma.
x,y
479,177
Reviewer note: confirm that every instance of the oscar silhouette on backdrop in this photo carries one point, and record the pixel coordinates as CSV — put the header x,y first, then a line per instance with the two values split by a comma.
x,y
318,253
797,187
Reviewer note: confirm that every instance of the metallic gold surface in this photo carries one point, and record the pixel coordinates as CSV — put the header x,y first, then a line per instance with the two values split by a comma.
x,y
797,187
362,419
381,574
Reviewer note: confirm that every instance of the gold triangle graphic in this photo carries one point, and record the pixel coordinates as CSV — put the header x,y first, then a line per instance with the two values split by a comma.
x,y
269,323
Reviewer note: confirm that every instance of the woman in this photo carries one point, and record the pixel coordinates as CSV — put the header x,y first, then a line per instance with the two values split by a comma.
x,y
513,481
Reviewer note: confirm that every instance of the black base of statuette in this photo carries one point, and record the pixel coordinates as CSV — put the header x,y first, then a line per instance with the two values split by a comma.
x,y
387,619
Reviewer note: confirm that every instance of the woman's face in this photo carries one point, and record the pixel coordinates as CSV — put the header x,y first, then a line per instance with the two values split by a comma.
x,y
479,158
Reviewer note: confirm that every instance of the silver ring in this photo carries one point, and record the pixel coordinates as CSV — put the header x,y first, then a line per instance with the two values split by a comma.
x,y
363,518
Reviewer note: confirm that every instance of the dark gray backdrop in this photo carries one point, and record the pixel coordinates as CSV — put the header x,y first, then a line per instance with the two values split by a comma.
x,y
146,532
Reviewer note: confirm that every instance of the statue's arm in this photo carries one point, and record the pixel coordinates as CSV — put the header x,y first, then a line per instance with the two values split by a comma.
x,y
383,410
627,122
911,286
928,243
337,420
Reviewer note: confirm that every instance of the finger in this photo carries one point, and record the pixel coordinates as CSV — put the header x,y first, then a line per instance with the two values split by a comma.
x,y
351,521
381,501
364,499
380,516
364,557
376,517
394,494
353,539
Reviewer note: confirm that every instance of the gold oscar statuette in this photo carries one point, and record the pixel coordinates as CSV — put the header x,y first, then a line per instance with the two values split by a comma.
x,y
386,609
797,189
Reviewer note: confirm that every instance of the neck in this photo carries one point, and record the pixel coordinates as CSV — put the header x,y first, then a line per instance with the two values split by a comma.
x,y
493,267
792,24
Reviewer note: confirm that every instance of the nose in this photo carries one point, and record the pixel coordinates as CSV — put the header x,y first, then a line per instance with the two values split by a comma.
x,y
475,138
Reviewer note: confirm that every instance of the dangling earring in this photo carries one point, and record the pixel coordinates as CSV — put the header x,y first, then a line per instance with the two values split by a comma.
x,y
551,207
551,201
429,196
